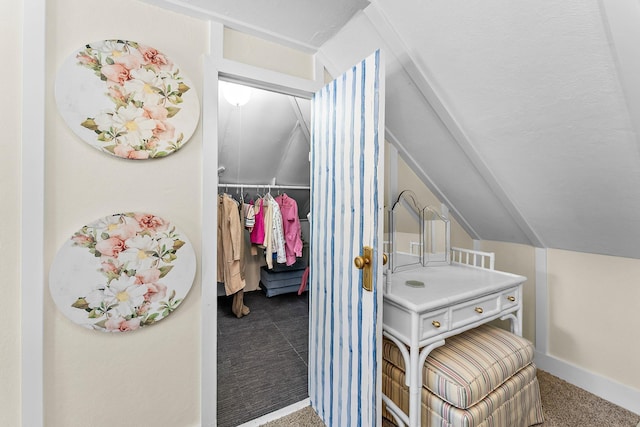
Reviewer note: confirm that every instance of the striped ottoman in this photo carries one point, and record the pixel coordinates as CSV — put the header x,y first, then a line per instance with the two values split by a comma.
x,y
482,377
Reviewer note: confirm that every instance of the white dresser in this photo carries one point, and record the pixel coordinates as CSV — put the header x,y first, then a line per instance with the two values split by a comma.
x,y
454,298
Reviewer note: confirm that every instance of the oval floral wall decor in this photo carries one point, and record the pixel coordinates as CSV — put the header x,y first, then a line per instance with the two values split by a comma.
x,y
127,99
122,272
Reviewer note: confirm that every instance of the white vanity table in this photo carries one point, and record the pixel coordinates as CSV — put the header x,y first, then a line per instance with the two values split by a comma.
x,y
460,290
454,298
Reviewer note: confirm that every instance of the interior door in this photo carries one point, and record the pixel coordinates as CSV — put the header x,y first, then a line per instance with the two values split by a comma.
x,y
345,320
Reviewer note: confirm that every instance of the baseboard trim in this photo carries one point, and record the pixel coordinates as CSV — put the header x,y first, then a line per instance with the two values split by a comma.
x,y
606,388
277,414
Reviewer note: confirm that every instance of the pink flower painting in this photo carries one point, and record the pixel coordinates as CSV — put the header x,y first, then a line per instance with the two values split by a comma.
x,y
122,272
144,106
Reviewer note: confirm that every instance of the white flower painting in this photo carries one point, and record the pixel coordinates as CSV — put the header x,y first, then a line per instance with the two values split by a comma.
x,y
122,272
127,99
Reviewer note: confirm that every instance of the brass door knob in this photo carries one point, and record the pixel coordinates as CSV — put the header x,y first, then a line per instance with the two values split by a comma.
x,y
363,262
360,262
436,324
385,258
512,299
479,310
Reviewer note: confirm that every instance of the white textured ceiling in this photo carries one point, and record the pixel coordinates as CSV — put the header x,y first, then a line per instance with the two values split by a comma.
x,y
303,23
535,86
265,141
521,116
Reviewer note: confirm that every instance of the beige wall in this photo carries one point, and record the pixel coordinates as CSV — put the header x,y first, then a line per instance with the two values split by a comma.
x,y
518,259
594,313
152,376
251,50
10,45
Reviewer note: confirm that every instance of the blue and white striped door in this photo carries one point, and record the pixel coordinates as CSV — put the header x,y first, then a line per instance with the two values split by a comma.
x,y
345,326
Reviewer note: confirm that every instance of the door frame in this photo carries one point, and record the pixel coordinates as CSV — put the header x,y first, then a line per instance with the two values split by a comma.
x,y
216,67
32,213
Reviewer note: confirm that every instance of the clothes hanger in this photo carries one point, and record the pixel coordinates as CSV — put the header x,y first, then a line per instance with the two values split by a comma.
x,y
243,196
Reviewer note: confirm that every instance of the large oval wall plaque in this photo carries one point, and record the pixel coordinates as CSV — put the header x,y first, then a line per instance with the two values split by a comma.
x,y
122,272
127,99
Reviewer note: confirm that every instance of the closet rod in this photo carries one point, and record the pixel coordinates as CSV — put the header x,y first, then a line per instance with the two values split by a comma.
x,y
269,186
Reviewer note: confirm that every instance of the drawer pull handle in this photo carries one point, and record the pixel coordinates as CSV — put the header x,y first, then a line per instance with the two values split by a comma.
x,y
511,298
479,310
435,323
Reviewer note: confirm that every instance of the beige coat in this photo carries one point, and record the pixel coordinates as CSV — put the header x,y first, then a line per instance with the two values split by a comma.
x,y
230,245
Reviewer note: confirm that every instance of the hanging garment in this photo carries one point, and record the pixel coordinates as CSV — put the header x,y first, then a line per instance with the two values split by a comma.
x,y
257,233
303,282
249,216
291,226
237,307
277,235
268,231
243,256
230,248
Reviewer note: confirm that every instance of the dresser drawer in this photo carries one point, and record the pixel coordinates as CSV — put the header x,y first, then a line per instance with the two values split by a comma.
x,y
434,323
510,298
475,310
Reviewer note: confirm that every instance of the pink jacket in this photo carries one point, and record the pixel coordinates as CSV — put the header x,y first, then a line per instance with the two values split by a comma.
x,y
291,226
257,233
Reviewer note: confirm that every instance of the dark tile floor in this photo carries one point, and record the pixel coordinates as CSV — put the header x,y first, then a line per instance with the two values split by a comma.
x,y
262,357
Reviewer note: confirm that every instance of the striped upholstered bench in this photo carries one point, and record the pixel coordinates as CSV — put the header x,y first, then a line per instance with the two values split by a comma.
x,y
482,377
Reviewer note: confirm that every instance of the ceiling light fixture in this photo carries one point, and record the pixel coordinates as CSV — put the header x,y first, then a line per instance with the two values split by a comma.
x,y
237,95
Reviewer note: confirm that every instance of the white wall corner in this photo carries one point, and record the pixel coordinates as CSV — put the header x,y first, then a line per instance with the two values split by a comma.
x,y
209,300
216,42
321,57
32,274
542,301
318,68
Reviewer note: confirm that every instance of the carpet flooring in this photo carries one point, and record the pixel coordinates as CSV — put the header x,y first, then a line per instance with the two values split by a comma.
x,y
262,357
272,342
564,405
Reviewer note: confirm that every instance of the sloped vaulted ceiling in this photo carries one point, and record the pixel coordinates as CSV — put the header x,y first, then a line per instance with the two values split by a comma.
x,y
541,111
521,116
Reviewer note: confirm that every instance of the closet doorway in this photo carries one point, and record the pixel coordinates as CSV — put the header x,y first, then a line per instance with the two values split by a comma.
x,y
262,341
